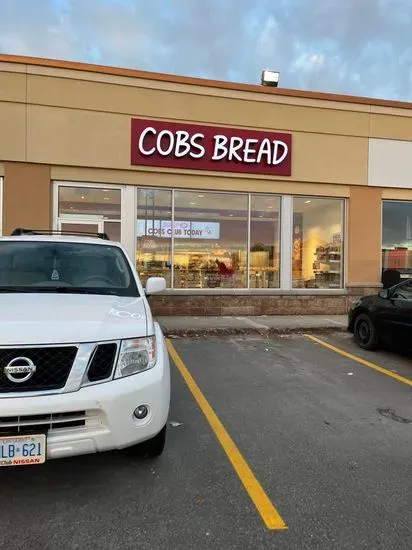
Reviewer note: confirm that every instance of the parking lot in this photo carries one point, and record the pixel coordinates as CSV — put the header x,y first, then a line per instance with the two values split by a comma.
x,y
288,442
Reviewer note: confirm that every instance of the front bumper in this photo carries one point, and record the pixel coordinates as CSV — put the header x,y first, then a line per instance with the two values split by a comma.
x,y
107,410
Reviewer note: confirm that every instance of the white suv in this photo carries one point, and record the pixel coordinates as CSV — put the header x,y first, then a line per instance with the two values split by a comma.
x,y
83,366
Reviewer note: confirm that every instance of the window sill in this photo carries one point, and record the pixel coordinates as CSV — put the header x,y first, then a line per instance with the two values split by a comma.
x,y
255,292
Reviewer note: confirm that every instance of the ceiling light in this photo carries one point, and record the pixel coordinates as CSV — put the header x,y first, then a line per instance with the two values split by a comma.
x,y
201,196
82,197
270,206
260,216
106,198
192,203
307,202
270,78
231,215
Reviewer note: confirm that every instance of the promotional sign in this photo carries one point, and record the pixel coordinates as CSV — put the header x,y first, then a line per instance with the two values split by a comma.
x,y
182,230
196,147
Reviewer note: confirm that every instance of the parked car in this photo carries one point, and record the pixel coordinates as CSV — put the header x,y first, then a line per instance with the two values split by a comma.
x,y
83,365
384,318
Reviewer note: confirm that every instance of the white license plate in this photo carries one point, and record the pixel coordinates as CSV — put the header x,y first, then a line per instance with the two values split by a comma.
x,y
22,450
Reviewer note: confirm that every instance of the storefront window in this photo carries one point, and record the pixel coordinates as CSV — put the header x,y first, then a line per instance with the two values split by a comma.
x,y
154,234
397,236
264,241
210,240
317,252
90,209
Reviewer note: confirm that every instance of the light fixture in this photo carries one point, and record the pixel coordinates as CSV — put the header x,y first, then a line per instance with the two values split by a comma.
x,y
270,206
82,197
270,78
307,202
200,196
261,216
106,198
192,203
231,215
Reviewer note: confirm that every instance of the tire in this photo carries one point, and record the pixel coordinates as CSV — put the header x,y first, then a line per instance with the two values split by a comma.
x,y
152,448
366,335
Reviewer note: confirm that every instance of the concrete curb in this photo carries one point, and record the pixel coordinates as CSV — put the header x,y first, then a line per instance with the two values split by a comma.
x,y
248,331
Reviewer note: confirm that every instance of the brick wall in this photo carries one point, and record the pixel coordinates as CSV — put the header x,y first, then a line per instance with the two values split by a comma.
x,y
216,305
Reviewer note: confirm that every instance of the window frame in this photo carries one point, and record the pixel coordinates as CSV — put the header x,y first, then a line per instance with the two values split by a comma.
x,y
383,201
129,241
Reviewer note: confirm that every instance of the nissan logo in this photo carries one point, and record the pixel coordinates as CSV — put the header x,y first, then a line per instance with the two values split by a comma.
x,y
20,369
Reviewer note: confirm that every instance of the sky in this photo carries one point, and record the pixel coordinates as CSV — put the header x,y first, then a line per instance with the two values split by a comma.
x,y
357,47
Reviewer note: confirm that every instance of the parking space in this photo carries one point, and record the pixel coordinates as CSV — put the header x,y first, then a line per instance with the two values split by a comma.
x,y
325,439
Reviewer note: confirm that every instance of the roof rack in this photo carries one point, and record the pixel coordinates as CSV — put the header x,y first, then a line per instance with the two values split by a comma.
x,y
24,231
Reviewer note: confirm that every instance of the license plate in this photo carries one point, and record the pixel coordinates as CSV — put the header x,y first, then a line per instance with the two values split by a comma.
x,y
22,450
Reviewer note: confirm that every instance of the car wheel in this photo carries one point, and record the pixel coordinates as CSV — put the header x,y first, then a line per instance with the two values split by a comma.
x,y
152,448
365,332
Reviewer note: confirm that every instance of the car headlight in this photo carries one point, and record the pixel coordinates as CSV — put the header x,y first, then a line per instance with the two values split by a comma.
x,y
136,355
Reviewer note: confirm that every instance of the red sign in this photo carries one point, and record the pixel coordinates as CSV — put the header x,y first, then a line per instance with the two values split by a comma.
x,y
196,147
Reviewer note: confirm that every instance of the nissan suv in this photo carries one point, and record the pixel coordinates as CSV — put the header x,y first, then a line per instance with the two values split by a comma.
x,y
83,365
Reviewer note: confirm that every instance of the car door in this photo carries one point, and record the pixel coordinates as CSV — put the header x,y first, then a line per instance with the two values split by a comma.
x,y
400,318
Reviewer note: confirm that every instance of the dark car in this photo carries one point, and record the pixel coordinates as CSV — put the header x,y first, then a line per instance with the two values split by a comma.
x,y
384,318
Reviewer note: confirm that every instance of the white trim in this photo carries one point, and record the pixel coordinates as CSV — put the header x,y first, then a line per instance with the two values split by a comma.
x,y
127,213
248,254
172,249
286,242
344,254
1,206
86,184
84,221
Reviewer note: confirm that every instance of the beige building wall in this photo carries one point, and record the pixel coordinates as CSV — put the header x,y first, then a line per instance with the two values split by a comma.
x,y
71,122
26,196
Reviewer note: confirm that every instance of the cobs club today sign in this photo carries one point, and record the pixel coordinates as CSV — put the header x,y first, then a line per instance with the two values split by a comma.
x,y
214,148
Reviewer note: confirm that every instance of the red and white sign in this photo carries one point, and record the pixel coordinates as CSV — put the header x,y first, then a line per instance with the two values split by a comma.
x,y
214,148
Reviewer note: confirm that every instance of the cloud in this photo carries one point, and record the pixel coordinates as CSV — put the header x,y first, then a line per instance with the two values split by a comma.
x,y
359,47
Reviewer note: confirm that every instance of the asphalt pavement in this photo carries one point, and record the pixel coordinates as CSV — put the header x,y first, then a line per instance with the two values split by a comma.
x,y
327,439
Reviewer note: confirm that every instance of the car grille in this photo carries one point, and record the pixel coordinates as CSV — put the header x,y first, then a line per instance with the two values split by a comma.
x,y
101,364
41,423
53,365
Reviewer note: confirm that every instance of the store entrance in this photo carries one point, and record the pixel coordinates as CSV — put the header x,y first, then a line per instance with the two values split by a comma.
x,y
80,226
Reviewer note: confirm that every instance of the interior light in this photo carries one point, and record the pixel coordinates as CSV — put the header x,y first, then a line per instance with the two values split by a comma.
x,y
307,202
201,196
261,216
231,215
106,198
82,197
270,78
192,203
270,206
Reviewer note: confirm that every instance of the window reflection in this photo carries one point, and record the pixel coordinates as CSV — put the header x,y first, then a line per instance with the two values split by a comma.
x,y
317,243
210,240
154,234
397,236
90,201
264,241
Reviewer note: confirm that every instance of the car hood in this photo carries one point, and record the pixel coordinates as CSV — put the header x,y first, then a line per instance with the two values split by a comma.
x,y
46,318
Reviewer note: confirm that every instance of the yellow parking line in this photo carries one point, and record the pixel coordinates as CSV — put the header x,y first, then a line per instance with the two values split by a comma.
x,y
361,361
264,506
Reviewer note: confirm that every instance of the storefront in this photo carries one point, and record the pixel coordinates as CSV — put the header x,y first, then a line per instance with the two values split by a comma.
x,y
247,200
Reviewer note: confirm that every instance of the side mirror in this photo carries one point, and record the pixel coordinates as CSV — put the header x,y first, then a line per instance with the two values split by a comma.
x,y
155,285
384,294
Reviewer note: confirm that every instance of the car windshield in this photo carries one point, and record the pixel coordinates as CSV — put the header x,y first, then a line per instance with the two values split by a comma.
x,y
80,268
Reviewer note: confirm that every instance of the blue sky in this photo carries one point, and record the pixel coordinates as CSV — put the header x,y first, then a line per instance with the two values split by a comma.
x,y
360,47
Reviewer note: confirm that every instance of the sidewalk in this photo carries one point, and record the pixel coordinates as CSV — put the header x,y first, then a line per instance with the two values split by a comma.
x,y
263,325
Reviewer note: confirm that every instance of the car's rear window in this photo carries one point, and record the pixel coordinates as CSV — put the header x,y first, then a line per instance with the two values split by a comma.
x,y
30,266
